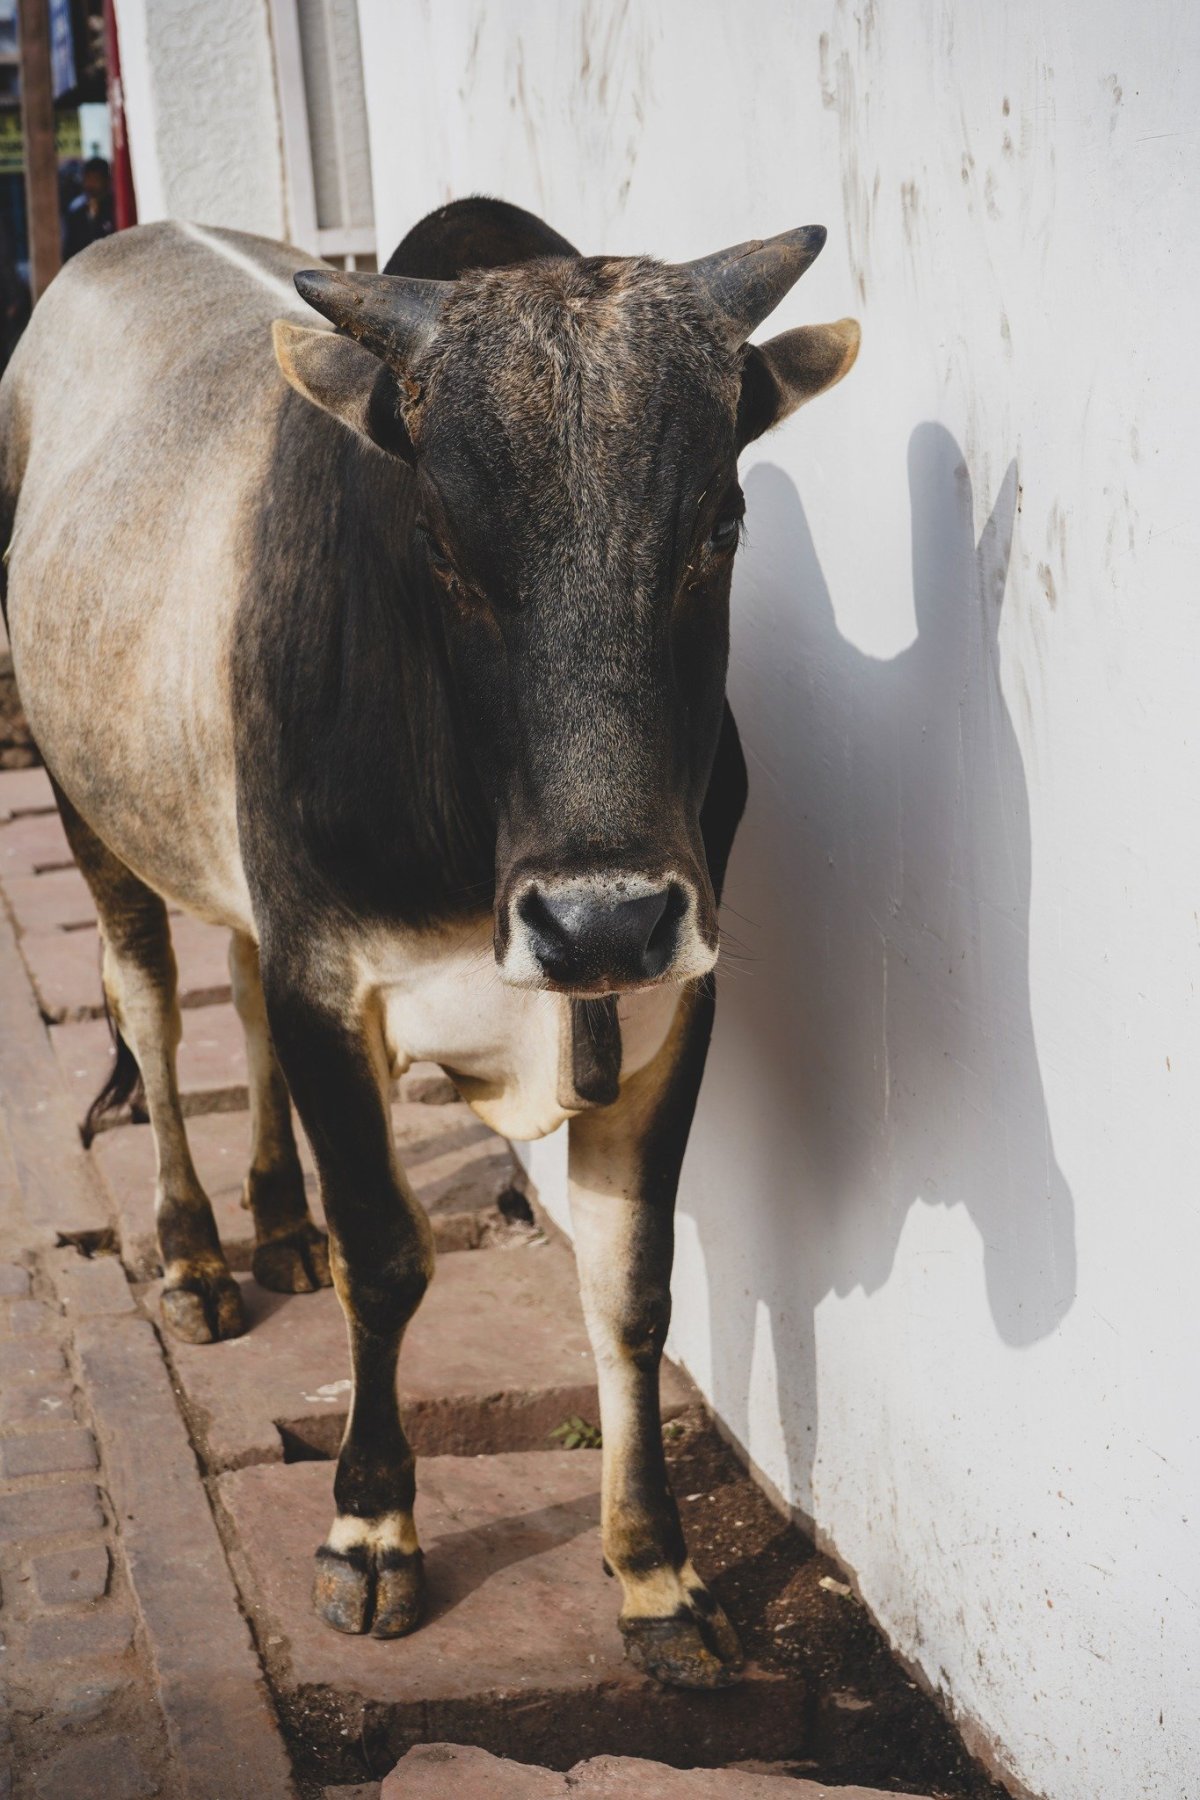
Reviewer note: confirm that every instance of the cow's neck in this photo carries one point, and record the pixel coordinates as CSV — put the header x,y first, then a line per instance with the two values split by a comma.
x,y
352,747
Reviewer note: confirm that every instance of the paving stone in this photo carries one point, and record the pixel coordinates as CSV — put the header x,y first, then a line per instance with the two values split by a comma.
x,y
48,1453
58,1192
461,1772
30,845
427,1085
106,1631
67,1576
455,1163
26,1318
25,791
31,1358
496,1358
65,967
78,1702
211,1061
102,1766
14,1281
520,1650
49,1512
464,1772
56,901
220,1721
89,1285
25,1403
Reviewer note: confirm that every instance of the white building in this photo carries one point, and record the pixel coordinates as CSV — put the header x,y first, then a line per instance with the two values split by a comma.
x,y
939,1241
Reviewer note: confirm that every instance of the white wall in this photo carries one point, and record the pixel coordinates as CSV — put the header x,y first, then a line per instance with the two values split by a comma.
x,y
200,106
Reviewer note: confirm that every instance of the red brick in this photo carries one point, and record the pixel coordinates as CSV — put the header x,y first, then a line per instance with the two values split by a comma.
x,y
49,1512
31,1358
48,1453
22,1403
459,1772
89,1285
107,1767
104,1632
56,901
464,1772
212,1059
220,1145
29,845
27,1318
454,1162
520,1649
58,1194
65,967
496,1358
25,791
14,1281
67,1576
219,1719
425,1084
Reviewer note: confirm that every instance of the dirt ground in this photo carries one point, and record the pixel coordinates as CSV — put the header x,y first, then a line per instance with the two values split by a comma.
x,y
871,1726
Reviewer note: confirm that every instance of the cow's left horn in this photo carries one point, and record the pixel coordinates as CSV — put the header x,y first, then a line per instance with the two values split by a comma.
x,y
748,281
393,315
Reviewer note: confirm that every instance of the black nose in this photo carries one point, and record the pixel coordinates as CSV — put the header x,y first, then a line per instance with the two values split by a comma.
x,y
583,937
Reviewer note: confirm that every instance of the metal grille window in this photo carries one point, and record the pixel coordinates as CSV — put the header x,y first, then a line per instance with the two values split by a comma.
x,y
323,113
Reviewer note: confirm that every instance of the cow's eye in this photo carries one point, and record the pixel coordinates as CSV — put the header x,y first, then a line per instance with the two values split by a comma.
x,y
725,534
439,562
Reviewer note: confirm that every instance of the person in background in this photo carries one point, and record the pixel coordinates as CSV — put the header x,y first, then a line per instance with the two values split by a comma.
x,y
90,217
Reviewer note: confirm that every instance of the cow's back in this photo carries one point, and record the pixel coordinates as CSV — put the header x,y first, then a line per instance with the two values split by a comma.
x,y
137,430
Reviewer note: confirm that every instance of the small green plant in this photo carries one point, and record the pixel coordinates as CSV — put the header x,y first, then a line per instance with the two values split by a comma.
x,y
576,1434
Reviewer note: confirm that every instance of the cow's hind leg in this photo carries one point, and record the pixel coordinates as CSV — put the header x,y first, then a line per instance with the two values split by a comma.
x,y
200,1301
369,1573
624,1168
290,1252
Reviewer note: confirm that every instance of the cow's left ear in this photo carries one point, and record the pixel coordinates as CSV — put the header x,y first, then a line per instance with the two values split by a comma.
x,y
781,375
343,379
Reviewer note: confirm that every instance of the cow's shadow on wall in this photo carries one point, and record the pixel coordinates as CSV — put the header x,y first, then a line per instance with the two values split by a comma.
x,y
881,884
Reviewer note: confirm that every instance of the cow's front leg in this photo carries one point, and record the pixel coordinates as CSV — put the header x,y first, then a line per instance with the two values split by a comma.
x,y
368,1574
624,1170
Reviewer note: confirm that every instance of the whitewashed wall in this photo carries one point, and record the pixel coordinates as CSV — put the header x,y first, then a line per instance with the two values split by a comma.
x,y
939,1239
201,109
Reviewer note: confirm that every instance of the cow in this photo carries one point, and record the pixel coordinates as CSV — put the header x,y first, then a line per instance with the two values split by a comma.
x,y
394,640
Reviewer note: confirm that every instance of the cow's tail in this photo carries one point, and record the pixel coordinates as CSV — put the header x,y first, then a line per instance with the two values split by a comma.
x,y
122,1089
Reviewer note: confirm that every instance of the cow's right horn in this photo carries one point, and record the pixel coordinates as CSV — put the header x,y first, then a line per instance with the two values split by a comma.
x,y
393,315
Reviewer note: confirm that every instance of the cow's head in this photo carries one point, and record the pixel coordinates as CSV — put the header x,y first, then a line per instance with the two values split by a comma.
x,y
574,426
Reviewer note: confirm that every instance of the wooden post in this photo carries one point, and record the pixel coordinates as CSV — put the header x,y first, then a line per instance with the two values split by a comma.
x,y
41,156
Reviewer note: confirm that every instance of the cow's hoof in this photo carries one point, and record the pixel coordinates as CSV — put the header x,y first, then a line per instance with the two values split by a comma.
x,y
295,1264
202,1307
360,1590
696,1647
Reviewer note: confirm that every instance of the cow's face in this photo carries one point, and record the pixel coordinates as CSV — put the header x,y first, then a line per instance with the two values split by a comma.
x,y
574,427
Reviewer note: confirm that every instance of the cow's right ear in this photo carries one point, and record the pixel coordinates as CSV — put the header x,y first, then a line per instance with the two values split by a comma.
x,y
343,379
781,375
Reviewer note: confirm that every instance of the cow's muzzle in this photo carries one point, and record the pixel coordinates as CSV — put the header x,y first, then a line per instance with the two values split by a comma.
x,y
602,934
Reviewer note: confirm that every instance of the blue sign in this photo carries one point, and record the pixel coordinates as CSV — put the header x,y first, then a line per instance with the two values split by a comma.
x,y
63,74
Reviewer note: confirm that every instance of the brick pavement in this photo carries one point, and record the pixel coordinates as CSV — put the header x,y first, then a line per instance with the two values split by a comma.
x,y
159,1503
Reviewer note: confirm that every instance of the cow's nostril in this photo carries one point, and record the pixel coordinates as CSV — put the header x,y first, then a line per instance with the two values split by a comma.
x,y
660,945
582,936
